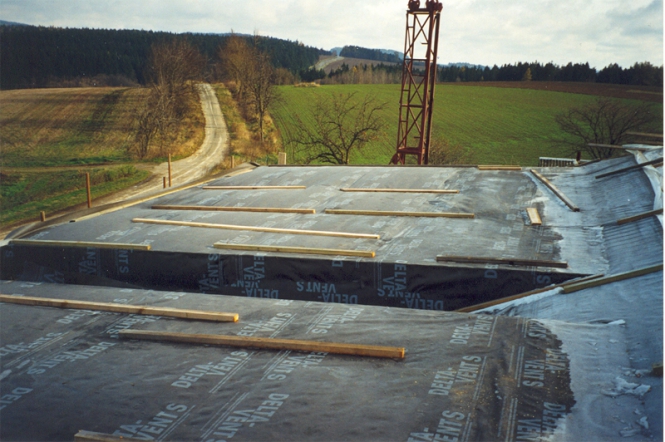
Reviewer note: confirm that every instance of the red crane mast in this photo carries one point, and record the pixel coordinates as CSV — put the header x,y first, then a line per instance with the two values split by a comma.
x,y
418,79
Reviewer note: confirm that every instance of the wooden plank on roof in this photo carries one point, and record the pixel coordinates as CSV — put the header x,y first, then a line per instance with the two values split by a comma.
x,y
640,216
626,169
232,209
256,229
499,167
201,315
556,191
476,307
291,249
397,213
613,278
534,216
254,187
375,351
98,245
367,189
504,261
92,436
644,134
615,146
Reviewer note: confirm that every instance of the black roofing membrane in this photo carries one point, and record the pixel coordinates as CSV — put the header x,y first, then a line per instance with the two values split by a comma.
x,y
404,272
464,377
395,284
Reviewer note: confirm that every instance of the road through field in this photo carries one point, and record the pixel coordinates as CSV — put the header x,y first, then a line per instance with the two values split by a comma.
x,y
213,150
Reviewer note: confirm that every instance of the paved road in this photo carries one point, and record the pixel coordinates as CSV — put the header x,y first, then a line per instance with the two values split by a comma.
x,y
214,149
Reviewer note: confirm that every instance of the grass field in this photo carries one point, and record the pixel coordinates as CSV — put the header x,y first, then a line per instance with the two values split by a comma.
x,y
51,137
497,125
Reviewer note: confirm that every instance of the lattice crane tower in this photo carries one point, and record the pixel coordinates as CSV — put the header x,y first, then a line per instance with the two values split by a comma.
x,y
418,79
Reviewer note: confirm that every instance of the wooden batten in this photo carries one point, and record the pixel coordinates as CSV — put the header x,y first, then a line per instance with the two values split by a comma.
x,y
503,261
396,213
232,209
256,229
374,351
534,216
254,187
98,245
301,250
367,189
121,308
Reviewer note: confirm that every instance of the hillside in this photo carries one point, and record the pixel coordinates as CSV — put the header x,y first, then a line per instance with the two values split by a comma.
x,y
34,56
331,63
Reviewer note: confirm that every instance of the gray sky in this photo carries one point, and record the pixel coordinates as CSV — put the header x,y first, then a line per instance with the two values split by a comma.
x,y
475,31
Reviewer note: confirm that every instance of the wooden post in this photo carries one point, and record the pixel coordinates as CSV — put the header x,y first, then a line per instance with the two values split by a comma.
x,y
164,182
579,156
169,170
87,189
42,215
281,160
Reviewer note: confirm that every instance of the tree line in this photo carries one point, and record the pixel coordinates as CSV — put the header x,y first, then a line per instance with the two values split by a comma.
x,y
369,54
643,74
37,56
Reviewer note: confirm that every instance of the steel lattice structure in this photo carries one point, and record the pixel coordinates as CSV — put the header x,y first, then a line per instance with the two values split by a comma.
x,y
418,79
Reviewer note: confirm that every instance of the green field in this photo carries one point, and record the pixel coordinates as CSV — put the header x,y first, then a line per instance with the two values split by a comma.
x,y
497,125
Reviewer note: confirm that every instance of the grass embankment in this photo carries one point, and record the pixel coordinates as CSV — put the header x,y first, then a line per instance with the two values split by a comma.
x,y
51,137
243,127
497,125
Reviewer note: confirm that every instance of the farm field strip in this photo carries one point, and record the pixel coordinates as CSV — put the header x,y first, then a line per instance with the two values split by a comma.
x,y
498,125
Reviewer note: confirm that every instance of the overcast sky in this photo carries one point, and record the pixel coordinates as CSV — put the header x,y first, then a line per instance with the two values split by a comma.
x,y
475,31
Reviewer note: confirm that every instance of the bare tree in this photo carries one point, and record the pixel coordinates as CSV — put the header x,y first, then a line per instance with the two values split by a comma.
x,y
261,86
605,121
173,68
342,124
235,59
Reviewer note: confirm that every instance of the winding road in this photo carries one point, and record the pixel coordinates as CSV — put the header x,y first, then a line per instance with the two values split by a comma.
x,y
213,150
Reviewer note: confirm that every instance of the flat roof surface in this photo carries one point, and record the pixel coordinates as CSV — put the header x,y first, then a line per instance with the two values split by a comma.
x,y
554,366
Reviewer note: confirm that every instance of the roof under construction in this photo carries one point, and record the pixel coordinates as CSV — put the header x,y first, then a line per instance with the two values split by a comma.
x,y
375,256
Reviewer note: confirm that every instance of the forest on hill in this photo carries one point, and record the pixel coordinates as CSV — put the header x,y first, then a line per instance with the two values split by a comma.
x,y
37,56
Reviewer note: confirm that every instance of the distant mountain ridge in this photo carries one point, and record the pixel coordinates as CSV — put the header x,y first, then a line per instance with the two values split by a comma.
x,y
11,23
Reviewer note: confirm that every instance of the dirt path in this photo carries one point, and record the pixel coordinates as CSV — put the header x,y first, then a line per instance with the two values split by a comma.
x,y
213,150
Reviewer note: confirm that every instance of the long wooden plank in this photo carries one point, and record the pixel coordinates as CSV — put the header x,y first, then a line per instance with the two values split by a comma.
x,y
556,191
626,169
98,245
499,167
643,134
534,216
253,187
232,209
256,229
395,213
290,249
506,261
613,278
648,214
614,146
375,351
476,307
92,436
121,308
366,189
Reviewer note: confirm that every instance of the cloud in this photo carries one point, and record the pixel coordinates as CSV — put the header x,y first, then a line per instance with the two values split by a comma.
x,y
477,31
